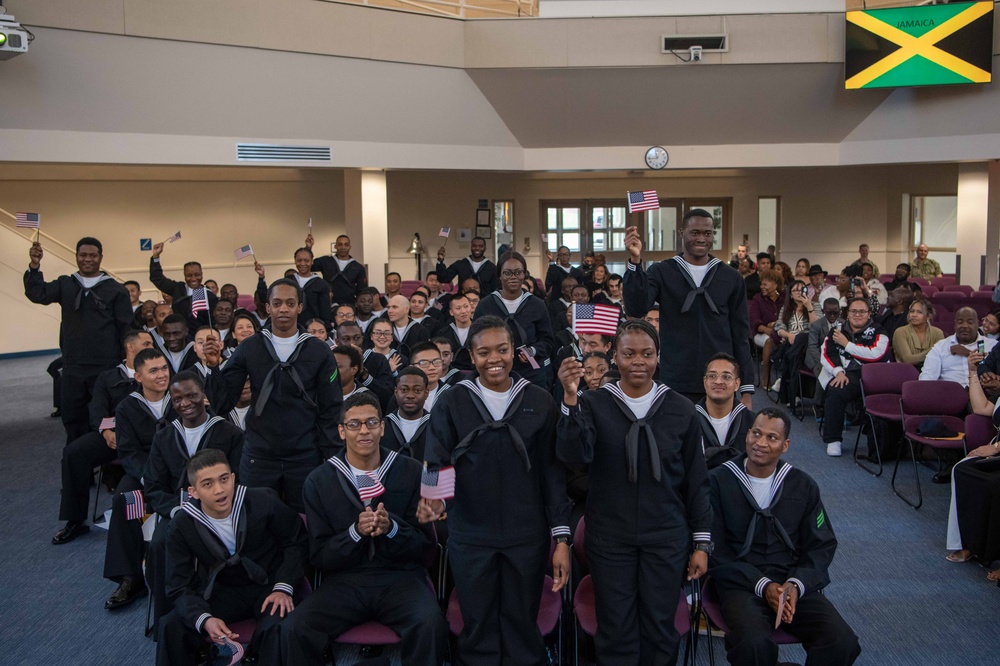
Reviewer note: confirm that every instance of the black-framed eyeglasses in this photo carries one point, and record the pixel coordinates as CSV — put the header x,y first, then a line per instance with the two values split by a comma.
x,y
426,363
509,274
355,424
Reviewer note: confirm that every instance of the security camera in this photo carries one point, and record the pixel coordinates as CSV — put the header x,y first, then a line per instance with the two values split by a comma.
x,y
695,53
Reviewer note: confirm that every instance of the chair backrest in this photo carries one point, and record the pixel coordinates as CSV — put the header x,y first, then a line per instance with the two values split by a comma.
x,y
943,281
964,288
578,541
981,307
987,287
949,296
878,378
979,431
935,397
929,290
946,324
245,301
923,282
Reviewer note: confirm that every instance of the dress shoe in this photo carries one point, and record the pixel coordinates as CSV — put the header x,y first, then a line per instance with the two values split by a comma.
x,y
944,476
130,589
56,414
72,530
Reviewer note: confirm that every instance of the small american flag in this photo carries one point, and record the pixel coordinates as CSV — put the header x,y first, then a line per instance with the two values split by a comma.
x,y
243,252
645,200
445,231
199,301
368,486
107,423
591,318
175,237
135,505
28,220
438,484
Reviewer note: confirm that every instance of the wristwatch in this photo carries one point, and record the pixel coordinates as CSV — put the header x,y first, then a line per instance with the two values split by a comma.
x,y
565,540
705,546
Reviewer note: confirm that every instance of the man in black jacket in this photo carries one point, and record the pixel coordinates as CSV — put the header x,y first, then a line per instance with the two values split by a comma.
x,y
724,419
296,397
405,429
97,447
703,307
165,481
773,538
176,347
181,292
137,419
476,265
234,553
560,270
365,538
96,315
347,277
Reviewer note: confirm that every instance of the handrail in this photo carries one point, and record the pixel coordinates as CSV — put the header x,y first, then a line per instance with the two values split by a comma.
x,y
58,242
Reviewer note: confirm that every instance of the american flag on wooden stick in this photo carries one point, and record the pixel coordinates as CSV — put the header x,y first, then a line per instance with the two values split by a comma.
x,y
135,505
438,484
28,220
199,301
645,200
368,485
243,252
590,318
175,237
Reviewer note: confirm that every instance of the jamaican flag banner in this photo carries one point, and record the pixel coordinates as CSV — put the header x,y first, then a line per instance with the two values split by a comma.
x,y
920,46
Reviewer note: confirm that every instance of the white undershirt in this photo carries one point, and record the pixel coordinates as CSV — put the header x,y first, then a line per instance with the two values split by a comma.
x,y
241,412
284,347
130,372
721,427
761,489
697,272
223,332
462,334
176,358
342,263
224,530
495,402
476,264
192,436
420,320
565,268
511,304
640,406
408,427
303,281
400,332
155,407
431,397
88,282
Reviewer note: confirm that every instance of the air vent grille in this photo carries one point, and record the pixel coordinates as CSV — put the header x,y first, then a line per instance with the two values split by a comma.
x,y
267,152
708,43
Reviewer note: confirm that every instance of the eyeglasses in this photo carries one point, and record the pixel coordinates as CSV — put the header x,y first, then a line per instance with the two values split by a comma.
x,y
509,274
371,424
725,376
857,312
426,363
381,334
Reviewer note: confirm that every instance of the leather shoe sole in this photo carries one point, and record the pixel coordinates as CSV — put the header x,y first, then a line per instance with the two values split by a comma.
x,y
125,595
68,533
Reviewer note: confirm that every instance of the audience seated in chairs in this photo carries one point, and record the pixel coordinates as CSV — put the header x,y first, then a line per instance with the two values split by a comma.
x,y
947,359
859,341
989,325
902,279
975,490
792,329
897,310
764,263
911,343
773,538
762,311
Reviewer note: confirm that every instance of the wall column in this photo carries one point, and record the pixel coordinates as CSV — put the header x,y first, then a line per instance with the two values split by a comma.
x,y
366,214
973,206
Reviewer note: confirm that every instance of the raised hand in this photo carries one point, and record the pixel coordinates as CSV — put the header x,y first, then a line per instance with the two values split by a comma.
x,y
257,267
35,255
157,250
633,244
441,254
570,373
310,240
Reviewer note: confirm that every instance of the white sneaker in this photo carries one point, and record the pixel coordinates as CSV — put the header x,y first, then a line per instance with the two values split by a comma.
x,y
776,385
833,449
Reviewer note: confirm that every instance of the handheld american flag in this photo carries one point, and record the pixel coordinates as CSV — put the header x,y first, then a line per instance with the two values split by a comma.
x,y
445,231
590,318
135,505
645,200
107,423
368,485
175,237
438,484
199,301
243,252
28,220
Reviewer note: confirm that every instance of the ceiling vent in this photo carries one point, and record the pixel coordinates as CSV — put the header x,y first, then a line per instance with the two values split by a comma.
x,y
683,43
268,152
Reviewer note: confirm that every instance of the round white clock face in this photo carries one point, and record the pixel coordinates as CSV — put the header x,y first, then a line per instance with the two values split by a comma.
x,y
657,157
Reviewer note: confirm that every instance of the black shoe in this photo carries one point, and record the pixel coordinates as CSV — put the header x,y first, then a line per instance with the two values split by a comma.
x,y
944,476
72,530
56,414
130,589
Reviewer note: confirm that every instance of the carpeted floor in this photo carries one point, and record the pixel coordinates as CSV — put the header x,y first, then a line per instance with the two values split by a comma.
x,y
890,579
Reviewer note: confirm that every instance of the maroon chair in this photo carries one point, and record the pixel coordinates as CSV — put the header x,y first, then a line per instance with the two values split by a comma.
x,y
964,288
946,322
924,399
923,282
585,608
987,287
944,281
245,302
369,633
881,390
979,431
949,297
711,607
929,290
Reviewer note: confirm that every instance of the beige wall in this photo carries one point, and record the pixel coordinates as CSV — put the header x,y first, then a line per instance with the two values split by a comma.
x,y
825,214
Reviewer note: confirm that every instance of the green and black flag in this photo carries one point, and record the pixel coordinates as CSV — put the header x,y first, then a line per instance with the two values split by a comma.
x,y
920,46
